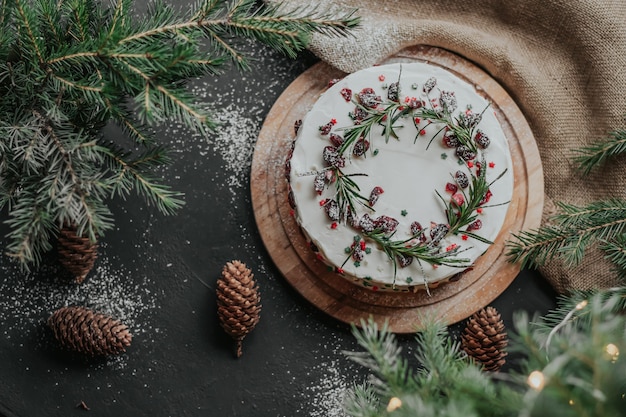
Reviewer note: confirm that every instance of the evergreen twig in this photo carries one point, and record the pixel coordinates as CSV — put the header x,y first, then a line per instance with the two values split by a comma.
x,y
573,231
599,152
67,68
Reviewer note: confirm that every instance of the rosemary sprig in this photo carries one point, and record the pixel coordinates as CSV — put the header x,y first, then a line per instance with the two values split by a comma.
x,y
348,193
460,216
457,125
414,248
385,115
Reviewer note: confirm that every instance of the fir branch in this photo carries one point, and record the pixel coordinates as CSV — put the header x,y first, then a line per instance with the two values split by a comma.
x,y
30,232
573,232
69,67
131,174
615,250
444,383
26,14
382,357
597,153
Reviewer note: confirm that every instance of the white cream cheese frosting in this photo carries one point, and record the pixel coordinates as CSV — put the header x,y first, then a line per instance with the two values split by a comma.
x,y
413,175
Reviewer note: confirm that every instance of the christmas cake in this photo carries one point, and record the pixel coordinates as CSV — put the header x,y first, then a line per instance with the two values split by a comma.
x,y
400,176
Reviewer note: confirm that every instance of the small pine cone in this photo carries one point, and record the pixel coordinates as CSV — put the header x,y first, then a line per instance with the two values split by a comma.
x,y
238,302
484,339
77,254
85,331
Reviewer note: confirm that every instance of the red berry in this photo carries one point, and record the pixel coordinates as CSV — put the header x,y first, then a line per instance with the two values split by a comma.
x,y
486,198
386,224
360,147
336,140
451,188
461,179
346,93
475,225
458,199
450,140
325,129
368,98
376,192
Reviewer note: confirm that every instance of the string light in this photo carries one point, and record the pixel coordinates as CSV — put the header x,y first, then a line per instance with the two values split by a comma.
x,y
536,380
394,404
581,305
612,351
571,402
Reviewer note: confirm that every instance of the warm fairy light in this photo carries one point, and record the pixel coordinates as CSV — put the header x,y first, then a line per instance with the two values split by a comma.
x,y
571,402
612,351
394,404
536,380
581,305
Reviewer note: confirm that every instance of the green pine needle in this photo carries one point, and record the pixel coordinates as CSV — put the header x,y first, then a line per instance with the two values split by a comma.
x,y
569,234
601,151
68,68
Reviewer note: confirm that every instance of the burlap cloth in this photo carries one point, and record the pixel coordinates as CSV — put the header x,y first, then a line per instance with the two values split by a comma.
x,y
562,61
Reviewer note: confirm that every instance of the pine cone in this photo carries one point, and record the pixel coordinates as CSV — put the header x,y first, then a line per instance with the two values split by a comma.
x,y
484,339
77,254
238,301
85,331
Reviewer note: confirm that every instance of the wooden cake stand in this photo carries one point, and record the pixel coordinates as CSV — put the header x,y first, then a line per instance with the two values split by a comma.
x,y
348,302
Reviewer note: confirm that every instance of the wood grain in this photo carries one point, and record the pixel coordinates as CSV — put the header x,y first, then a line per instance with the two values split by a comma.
x,y
351,303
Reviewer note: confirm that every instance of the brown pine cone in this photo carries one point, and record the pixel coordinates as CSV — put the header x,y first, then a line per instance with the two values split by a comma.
x,y
77,254
484,339
238,302
85,331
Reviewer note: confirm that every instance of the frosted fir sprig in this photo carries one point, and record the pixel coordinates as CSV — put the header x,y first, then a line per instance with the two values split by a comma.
x,y
69,68
571,232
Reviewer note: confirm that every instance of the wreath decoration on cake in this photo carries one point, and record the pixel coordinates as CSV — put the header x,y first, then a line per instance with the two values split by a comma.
x,y
466,196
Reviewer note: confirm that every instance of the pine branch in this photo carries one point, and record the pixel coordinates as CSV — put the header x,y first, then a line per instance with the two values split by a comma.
x,y
27,22
69,67
444,384
573,232
30,233
615,250
599,152
131,174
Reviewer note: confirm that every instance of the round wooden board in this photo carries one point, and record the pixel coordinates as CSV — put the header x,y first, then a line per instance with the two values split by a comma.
x,y
348,302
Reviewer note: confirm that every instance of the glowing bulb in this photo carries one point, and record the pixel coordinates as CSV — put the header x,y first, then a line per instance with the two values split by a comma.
x,y
536,380
394,404
571,402
612,351
581,305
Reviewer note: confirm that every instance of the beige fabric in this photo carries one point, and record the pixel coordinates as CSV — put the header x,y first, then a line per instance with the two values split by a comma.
x,y
563,61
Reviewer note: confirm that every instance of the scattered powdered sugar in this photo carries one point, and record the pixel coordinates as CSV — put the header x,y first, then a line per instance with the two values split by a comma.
x,y
233,141
30,298
328,395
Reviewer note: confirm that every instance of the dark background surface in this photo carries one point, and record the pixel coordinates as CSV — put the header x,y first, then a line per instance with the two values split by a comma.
x,y
157,274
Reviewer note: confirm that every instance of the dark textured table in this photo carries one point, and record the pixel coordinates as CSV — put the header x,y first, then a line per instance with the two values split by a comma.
x,y
157,274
